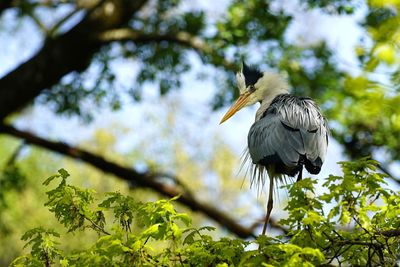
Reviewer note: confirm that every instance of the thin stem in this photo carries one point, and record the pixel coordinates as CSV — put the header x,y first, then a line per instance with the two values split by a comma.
x,y
58,25
39,23
101,229
15,154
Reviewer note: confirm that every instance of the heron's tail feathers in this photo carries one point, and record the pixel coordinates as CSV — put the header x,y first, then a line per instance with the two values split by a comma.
x,y
259,174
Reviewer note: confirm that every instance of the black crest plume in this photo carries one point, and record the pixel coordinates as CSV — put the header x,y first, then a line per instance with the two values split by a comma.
x,y
251,75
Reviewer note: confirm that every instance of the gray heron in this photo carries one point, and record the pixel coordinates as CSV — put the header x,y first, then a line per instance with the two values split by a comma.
x,y
289,131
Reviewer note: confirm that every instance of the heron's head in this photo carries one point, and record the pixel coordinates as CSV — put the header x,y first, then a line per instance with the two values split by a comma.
x,y
255,86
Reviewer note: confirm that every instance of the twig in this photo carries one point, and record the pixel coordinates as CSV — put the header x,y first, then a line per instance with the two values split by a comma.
x,y
15,154
388,173
58,25
337,233
362,227
39,23
101,229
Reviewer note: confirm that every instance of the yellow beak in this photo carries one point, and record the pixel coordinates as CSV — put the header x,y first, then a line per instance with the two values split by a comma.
x,y
240,103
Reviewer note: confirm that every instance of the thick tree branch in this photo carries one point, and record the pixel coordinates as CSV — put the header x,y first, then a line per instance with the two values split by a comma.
x,y
4,4
147,180
391,232
63,54
183,38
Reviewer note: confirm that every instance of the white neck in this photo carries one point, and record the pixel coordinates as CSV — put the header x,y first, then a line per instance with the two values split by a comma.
x,y
271,85
266,103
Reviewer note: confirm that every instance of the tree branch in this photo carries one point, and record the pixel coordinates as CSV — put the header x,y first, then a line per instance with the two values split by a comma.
x,y
183,38
354,150
71,51
391,232
5,4
38,23
11,161
385,170
53,31
144,179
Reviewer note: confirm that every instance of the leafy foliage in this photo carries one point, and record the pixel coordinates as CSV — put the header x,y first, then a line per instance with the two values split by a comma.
x,y
354,222
44,249
356,196
366,106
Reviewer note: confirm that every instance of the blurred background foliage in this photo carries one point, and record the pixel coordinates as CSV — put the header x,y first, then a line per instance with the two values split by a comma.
x,y
169,41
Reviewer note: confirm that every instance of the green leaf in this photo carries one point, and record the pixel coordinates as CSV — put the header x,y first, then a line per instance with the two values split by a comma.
x,y
152,230
51,178
184,218
64,174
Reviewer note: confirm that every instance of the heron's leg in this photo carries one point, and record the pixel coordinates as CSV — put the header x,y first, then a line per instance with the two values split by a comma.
x,y
300,176
269,205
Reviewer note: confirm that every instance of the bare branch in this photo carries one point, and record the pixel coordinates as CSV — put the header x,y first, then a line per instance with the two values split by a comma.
x,y
143,179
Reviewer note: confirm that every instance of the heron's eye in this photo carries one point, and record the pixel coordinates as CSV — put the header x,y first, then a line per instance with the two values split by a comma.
x,y
252,88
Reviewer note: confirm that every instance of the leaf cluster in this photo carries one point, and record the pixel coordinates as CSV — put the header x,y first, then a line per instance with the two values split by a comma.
x,y
366,106
349,222
355,221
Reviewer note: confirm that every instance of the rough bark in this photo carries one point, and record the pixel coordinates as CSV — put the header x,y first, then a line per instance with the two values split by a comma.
x,y
4,5
63,54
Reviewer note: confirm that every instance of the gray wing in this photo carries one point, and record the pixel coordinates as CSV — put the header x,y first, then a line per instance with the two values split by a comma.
x,y
290,131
